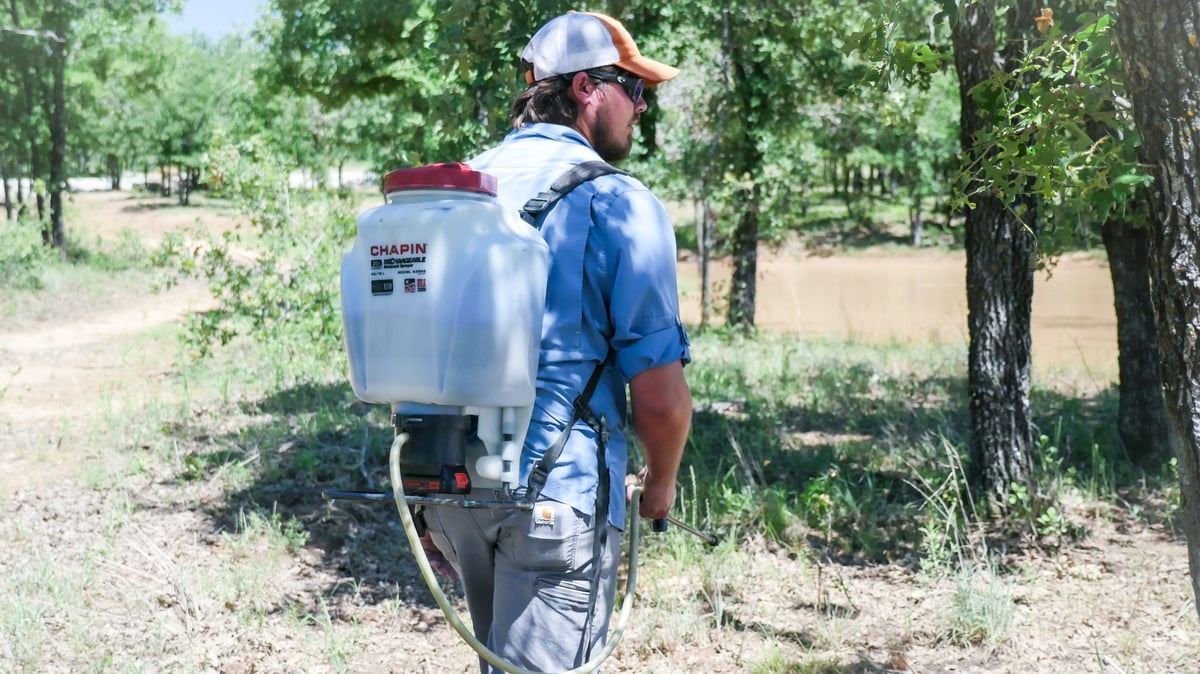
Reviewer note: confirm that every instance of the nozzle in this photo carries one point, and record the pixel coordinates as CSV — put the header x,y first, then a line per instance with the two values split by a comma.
x,y
703,535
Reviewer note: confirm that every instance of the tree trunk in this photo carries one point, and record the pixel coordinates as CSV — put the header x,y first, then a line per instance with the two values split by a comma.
x,y
1142,417
748,163
29,97
113,163
1000,255
39,201
6,176
1158,42
703,246
58,126
185,186
917,221
743,284
22,201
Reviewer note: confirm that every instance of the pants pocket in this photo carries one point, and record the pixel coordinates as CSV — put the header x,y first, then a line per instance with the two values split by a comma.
x,y
564,595
548,538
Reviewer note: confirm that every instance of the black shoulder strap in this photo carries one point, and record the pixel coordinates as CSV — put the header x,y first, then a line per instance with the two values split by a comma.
x,y
576,176
582,410
531,213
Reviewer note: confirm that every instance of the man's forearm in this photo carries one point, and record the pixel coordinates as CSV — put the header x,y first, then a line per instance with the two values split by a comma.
x,y
662,418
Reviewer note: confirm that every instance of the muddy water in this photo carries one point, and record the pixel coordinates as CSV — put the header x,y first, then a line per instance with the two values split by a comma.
x,y
922,299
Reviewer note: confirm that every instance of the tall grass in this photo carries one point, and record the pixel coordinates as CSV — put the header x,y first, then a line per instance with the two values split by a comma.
x,y
860,450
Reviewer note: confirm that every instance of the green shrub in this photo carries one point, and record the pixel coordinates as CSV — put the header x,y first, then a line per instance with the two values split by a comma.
x,y
277,284
21,254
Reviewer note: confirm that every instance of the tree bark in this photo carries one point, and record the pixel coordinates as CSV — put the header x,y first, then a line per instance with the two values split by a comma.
x,y
1141,417
1160,47
113,164
1000,244
29,98
704,228
743,284
916,221
6,176
58,126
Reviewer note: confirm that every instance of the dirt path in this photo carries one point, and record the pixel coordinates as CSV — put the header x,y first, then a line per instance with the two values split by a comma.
x,y
51,367
63,374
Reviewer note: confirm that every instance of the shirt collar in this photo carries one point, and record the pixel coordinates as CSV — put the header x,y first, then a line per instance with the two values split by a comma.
x,y
550,131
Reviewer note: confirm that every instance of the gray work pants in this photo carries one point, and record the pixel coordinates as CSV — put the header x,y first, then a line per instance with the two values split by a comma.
x,y
527,577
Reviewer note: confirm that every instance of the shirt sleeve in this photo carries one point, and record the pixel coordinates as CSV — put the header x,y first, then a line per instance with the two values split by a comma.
x,y
642,287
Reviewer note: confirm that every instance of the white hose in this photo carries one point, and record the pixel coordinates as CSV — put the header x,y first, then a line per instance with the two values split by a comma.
x,y
414,541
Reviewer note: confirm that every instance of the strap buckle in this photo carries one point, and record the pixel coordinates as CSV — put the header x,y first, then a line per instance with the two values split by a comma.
x,y
534,207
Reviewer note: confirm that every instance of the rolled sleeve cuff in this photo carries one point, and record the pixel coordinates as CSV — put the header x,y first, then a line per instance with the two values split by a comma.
x,y
653,350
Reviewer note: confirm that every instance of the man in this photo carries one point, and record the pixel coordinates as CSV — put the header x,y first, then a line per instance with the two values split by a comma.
x,y
540,585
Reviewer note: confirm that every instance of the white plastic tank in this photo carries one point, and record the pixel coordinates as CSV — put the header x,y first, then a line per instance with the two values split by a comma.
x,y
442,294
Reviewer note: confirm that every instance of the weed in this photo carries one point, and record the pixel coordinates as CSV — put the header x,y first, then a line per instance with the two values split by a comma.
x,y
776,662
288,534
262,547
948,515
982,609
338,647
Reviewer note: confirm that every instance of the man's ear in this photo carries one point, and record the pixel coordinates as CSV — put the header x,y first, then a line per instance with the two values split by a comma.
x,y
583,87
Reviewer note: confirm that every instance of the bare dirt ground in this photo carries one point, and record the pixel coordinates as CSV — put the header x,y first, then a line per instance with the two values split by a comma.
x,y
119,566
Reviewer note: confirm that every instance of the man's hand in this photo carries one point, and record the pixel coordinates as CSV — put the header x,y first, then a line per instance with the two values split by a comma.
x,y
657,497
437,561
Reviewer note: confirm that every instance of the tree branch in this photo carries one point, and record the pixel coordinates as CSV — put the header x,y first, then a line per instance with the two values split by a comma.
x,y
49,35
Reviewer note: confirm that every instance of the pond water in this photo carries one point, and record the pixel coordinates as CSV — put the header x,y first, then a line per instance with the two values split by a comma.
x,y
921,299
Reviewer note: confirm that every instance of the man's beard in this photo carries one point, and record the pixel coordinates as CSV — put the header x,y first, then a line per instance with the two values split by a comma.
x,y
610,146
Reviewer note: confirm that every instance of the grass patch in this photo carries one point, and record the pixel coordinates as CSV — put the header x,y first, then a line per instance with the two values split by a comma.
x,y
260,550
42,284
981,610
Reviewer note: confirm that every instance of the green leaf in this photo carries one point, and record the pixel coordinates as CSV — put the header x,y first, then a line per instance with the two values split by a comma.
x,y
929,57
1133,179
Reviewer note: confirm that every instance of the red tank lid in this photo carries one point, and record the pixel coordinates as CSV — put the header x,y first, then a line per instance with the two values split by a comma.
x,y
452,176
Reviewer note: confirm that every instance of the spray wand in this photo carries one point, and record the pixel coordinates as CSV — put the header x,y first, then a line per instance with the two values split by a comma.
x,y
659,525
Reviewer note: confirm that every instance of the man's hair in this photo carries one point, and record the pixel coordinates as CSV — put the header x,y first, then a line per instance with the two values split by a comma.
x,y
547,100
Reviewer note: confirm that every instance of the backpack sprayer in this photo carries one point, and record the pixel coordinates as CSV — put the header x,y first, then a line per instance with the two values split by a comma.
x,y
442,300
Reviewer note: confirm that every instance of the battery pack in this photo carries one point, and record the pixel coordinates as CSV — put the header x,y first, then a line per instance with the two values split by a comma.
x,y
434,458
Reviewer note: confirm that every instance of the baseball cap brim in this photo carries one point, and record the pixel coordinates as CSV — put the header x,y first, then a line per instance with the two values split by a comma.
x,y
648,69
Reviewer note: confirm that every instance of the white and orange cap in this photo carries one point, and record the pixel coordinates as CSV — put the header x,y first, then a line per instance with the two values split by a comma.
x,y
578,41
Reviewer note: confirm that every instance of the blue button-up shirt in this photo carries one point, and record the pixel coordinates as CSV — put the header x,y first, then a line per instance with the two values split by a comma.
x,y
612,284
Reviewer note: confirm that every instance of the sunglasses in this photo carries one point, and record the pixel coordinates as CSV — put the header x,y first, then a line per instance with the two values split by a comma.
x,y
632,85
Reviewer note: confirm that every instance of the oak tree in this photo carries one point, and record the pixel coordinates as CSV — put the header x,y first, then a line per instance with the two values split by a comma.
x,y
1161,49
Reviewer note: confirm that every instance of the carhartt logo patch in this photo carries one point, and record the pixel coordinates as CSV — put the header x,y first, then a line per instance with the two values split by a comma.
x,y
543,516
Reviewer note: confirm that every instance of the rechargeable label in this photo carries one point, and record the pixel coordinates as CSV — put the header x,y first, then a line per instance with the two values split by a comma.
x,y
406,261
